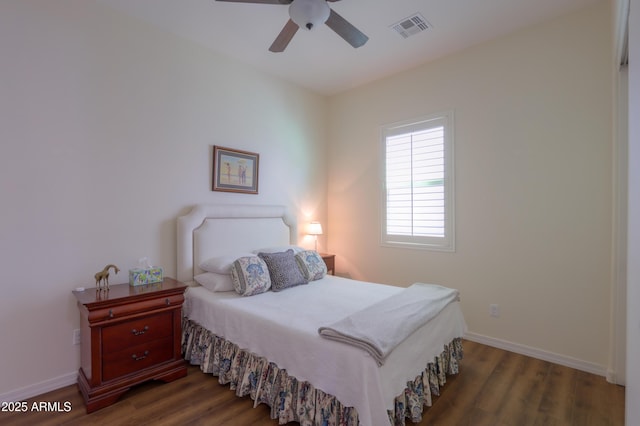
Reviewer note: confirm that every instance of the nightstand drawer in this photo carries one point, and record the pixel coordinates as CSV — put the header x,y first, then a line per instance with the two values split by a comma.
x,y
136,332
117,364
121,311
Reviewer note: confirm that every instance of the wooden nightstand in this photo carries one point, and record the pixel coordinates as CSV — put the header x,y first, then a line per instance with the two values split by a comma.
x,y
129,335
330,261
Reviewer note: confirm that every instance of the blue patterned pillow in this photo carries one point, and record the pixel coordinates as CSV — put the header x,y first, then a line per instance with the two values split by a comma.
x,y
283,269
311,264
250,276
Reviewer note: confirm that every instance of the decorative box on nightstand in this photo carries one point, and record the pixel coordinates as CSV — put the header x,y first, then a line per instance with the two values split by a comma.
x,y
330,261
129,335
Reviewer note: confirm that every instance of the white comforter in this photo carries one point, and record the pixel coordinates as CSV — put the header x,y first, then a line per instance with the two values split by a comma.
x,y
283,327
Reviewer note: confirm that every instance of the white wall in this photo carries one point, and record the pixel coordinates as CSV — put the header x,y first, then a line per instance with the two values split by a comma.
x,y
633,271
533,154
106,129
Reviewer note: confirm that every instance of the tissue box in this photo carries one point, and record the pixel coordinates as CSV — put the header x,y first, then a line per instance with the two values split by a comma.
x,y
139,276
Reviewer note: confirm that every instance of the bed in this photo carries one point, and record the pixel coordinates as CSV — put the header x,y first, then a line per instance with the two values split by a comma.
x,y
268,345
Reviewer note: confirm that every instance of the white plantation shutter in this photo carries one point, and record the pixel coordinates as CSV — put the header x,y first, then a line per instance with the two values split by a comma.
x,y
418,208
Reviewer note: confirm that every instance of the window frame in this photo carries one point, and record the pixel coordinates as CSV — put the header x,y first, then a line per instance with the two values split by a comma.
x,y
446,243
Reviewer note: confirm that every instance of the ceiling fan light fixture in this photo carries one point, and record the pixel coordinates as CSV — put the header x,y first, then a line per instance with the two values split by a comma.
x,y
309,13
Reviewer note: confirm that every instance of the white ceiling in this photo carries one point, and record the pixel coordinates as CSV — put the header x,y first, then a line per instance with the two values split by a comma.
x,y
322,61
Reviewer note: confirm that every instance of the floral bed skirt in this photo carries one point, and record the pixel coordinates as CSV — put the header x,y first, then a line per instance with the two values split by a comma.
x,y
293,400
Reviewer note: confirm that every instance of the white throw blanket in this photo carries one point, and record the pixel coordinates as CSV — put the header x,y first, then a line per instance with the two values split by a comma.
x,y
381,327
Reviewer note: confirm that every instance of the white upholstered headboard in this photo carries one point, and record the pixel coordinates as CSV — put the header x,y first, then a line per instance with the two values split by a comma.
x,y
213,230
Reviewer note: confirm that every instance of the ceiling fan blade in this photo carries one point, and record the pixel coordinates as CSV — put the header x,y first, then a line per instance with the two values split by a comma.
x,y
282,41
344,29
261,1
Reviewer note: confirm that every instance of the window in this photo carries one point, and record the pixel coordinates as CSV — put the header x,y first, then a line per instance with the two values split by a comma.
x,y
418,184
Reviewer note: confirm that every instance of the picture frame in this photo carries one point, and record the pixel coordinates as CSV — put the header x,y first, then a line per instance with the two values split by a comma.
x,y
235,170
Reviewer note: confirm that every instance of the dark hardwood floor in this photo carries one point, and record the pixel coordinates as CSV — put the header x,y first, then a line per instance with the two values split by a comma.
x,y
494,387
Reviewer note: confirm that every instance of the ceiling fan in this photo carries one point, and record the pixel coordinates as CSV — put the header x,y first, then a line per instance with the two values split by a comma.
x,y
310,14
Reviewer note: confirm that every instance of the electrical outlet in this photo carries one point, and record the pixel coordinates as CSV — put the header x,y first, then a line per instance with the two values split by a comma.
x,y
76,336
494,310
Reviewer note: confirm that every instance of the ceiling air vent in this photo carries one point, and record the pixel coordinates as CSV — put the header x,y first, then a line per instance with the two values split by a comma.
x,y
412,25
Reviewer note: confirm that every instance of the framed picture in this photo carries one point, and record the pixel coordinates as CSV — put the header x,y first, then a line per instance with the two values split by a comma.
x,y
235,170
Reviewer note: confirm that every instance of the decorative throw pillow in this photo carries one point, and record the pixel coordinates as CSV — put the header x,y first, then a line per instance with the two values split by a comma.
x,y
250,276
222,264
215,282
283,269
311,265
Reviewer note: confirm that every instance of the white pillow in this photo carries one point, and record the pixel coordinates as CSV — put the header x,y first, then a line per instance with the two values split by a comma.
x,y
222,264
215,282
279,249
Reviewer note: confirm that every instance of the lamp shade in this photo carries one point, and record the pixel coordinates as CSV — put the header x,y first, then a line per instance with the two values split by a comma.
x,y
309,13
315,228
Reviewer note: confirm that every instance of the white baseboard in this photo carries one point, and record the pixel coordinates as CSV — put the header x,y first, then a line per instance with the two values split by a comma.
x,y
564,360
40,388
615,378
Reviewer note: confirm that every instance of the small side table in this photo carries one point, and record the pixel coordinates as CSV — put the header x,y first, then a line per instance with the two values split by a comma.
x,y
330,261
129,335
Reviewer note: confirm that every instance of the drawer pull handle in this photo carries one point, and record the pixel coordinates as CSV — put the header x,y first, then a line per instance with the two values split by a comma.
x,y
139,358
110,313
139,332
167,301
